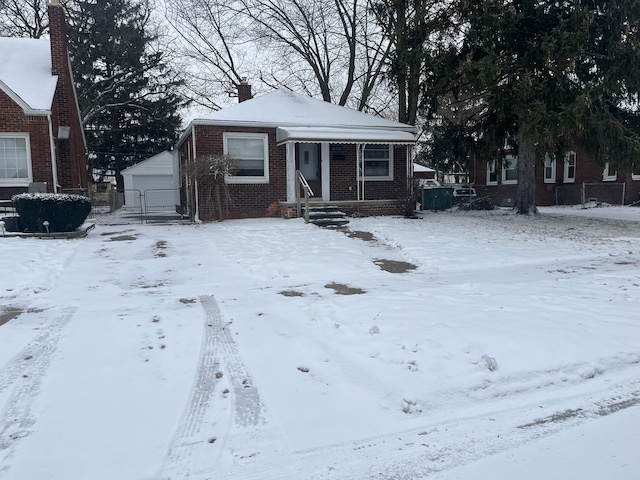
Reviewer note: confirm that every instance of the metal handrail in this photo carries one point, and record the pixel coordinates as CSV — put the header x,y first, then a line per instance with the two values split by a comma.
x,y
302,182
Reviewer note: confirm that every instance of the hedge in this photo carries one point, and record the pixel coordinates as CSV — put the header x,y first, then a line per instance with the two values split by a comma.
x,y
64,212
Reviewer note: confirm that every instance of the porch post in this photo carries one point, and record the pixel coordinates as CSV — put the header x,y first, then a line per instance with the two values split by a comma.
x,y
291,171
325,162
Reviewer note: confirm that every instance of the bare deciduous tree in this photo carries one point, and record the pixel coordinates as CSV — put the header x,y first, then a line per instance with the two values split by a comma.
x,y
327,48
23,18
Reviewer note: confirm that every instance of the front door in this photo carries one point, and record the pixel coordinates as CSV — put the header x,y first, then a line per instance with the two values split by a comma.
x,y
309,166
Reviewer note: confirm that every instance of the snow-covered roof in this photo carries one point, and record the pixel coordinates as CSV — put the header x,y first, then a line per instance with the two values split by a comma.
x,y
421,168
25,72
342,135
302,116
160,164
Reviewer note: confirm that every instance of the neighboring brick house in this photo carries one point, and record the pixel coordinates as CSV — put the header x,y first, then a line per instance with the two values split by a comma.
x,y
575,179
41,137
356,161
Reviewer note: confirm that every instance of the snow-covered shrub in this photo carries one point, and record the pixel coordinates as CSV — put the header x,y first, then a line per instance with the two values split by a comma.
x,y
64,212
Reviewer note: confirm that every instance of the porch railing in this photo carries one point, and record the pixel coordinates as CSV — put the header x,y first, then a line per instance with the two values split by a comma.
x,y
302,182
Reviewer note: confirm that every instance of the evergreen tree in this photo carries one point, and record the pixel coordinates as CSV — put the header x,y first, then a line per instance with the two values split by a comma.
x,y
128,95
551,74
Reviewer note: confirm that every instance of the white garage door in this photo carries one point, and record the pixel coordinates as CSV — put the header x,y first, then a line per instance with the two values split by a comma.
x,y
155,190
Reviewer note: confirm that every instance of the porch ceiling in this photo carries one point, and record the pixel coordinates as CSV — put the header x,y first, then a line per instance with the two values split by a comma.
x,y
342,135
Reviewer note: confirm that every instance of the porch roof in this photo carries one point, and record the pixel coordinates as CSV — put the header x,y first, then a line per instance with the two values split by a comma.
x,y
318,134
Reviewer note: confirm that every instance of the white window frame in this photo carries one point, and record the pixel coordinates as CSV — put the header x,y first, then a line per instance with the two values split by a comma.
x,y
492,168
549,163
607,176
371,178
508,159
265,145
567,157
635,171
19,182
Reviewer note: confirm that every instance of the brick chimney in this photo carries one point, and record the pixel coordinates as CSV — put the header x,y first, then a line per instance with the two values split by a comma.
x,y
244,91
58,38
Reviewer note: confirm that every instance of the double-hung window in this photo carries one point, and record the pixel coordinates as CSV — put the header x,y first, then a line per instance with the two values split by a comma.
x,y
378,162
510,170
251,154
570,167
492,172
549,168
610,173
15,159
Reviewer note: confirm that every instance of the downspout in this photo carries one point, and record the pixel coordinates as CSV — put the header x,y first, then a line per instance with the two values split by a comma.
x,y
52,146
196,217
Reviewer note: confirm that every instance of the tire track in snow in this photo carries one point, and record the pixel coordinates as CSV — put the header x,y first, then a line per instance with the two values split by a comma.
x,y
195,422
415,453
25,373
218,350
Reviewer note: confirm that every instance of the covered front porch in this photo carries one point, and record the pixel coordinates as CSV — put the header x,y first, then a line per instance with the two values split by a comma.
x,y
357,168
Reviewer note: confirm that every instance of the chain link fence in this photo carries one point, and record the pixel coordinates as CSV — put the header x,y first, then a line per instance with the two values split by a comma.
x,y
122,207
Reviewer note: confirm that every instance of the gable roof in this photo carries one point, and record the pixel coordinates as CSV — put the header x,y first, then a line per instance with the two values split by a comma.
x,y
302,118
25,72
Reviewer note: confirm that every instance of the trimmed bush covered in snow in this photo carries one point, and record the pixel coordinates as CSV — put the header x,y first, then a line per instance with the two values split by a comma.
x,y
64,212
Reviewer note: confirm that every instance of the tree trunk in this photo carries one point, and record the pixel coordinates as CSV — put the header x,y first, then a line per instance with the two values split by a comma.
x,y
526,192
219,203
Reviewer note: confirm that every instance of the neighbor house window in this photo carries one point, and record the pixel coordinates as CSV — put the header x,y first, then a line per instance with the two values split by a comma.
x,y
251,153
570,167
510,170
378,162
549,169
15,160
492,172
635,171
610,173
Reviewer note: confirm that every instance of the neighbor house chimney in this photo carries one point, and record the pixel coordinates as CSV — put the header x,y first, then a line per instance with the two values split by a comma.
x,y
244,91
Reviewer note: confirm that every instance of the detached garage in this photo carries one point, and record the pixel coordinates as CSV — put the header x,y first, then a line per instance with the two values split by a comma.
x,y
153,183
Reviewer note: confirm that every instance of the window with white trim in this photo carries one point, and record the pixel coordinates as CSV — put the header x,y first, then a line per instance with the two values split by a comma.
x,y
635,171
15,159
378,162
549,168
251,153
510,170
570,167
610,173
492,172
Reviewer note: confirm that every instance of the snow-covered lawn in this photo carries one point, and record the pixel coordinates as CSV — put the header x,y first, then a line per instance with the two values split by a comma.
x,y
272,349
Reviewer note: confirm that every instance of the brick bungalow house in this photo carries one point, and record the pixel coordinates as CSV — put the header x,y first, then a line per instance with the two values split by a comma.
x,y
575,179
358,162
41,137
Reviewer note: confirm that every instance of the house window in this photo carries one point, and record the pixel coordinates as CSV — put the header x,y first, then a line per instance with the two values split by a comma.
x,y
570,167
635,171
549,169
492,173
610,173
15,160
378,162
510,170
251,152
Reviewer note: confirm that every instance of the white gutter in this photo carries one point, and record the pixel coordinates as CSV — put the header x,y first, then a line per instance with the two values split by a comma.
x,y
52,146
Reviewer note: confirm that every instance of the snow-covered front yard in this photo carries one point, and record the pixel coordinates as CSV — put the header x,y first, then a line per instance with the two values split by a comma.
x,y
459,346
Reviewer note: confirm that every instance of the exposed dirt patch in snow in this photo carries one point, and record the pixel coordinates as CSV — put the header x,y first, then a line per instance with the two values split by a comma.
x,y
9,313
291,293
366,236
342,289
123,238
394,266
